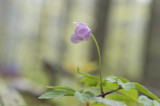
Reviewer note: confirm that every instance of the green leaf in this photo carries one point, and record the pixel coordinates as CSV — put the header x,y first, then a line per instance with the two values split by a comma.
x,y
111,79
62,88
120,81
88,95
110,86
156,103
97,104
87,75
126,86
110,83
145,91
131,85
148,102
109,102
115,79
124,80
79,96
128,97
89,80
56,94
122,98
83,97
81,91
132,93
145,101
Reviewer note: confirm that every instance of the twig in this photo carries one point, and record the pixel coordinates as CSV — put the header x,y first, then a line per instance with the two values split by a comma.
x,y
109,92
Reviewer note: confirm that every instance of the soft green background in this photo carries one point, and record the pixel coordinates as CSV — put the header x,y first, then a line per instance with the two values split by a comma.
x,y
36,32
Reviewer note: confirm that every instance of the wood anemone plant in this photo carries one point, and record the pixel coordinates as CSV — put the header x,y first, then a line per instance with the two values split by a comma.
x,y
113,91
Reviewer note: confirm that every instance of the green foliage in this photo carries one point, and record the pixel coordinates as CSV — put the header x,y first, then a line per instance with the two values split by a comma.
x,y
110,83
89,80
145,91
132,93
62,88
110,86
122,92
115,79
121,98
56,94
97,104
126,86
111,79
83,97
124,83
129,97
87,75
156,103
145,101
129,91
109,102
60,91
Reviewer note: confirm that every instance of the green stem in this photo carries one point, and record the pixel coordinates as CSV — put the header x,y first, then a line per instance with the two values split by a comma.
x,y
100,69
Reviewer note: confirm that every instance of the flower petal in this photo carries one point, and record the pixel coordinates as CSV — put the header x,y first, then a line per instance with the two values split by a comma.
x,y
80,23
82,32
76,39
87,35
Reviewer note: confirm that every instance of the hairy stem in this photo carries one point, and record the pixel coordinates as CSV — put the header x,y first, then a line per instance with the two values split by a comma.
x,y
100,69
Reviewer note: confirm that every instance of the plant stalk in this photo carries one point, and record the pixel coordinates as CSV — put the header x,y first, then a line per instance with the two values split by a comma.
x,y
100,67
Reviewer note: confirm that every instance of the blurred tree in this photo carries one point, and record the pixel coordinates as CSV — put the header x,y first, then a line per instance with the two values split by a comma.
x,y
152,63
125,38
101,17
44,37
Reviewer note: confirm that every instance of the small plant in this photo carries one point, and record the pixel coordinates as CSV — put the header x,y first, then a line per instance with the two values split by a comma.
x,y
114,91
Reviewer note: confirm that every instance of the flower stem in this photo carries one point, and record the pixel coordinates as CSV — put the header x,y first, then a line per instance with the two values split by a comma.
x,y
100,68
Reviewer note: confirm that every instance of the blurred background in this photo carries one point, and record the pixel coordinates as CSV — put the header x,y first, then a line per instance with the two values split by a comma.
x,y
36,51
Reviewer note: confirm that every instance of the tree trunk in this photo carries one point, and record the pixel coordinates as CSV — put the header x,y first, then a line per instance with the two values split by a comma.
x,y
101,17
152,62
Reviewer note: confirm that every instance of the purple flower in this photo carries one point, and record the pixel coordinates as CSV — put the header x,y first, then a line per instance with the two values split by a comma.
x,y
82,32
